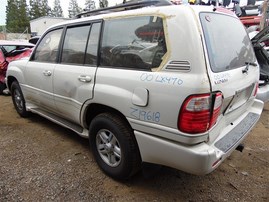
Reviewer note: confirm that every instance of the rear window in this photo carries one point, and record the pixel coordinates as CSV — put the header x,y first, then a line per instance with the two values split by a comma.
x,y
227,42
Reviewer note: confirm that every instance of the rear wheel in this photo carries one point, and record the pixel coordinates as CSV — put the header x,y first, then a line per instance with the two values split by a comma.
x,y
18,99
114,146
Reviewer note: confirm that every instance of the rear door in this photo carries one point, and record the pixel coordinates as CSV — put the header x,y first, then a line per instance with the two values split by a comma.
x,y
74,76
233,68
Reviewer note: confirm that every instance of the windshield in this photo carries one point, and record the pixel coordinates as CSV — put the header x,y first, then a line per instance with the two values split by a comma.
x,y
227,42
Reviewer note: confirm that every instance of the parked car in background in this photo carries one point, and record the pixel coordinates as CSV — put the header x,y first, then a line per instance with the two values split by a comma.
x,y
248,7
260,42
250,20
145,84
10,51
34,39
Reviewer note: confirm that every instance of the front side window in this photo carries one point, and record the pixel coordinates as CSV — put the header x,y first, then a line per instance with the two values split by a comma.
x,y
133,43
227,42
48,48
75,45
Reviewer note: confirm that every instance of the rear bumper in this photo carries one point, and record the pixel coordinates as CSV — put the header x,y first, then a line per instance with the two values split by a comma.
x,y
201,158
263,93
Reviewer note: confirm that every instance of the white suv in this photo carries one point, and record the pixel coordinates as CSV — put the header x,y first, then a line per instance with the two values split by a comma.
x,y
172,85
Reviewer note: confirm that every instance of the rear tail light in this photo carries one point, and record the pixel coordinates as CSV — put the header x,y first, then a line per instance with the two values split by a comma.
x,y
199,113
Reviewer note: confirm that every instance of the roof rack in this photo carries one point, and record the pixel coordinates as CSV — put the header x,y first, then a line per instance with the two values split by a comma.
x,y
125,6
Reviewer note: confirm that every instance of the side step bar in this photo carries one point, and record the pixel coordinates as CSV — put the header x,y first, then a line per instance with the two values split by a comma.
x,y
56,119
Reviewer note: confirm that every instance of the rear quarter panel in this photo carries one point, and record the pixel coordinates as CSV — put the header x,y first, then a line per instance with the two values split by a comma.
x,y
167,89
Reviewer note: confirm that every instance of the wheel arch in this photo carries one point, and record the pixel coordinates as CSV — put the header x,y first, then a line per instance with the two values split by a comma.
x,y
94,109
10,80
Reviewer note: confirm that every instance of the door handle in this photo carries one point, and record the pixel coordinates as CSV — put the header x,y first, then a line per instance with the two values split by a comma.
x,y
47,73
84,78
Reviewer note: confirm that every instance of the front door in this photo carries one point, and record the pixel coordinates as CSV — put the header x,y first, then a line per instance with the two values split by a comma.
x,y
40,71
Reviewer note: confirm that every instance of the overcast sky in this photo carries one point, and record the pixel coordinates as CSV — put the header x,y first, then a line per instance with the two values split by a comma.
x,y
64,4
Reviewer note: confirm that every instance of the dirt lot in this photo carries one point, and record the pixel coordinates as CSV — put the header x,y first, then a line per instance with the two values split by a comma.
x,y
41,161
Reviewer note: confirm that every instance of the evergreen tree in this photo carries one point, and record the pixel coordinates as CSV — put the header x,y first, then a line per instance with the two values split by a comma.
x,y
45,9
34,9
73,8
12,22
39,8
23,16
57,10
17,19
103,3
90,5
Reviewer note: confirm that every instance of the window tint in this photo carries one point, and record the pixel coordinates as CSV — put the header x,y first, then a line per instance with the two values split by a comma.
x,y
227,48
136,42
75,45
91,56
48,48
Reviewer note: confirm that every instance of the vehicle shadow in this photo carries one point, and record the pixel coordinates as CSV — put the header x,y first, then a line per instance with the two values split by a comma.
x,y
159,183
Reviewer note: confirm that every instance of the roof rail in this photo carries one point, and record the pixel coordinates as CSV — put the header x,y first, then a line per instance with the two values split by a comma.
x,y
125,6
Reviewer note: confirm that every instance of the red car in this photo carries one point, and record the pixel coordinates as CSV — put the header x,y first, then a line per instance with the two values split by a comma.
x,y
250,20
9,51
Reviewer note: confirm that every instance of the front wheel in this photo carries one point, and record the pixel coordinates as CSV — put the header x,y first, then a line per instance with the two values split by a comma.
x,y
114,146
18,99
2,87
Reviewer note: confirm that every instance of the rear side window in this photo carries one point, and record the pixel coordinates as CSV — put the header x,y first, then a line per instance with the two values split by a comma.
x,y
47,50
75,42
133,43
91,54
227,42
81,40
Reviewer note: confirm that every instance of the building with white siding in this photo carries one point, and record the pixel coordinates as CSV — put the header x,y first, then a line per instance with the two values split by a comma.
x,y
39,25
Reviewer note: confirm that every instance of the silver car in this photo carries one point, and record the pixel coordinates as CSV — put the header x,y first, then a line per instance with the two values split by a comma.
x,y
169,85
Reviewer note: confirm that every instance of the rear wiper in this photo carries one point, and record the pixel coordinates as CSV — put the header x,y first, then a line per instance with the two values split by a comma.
x,y
248,63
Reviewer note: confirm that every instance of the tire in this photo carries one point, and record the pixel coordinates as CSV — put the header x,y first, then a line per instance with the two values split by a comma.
x,y
2,87
114,146
18,100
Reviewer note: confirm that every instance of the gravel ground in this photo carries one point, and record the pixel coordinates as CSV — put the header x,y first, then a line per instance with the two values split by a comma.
x,y
41,161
